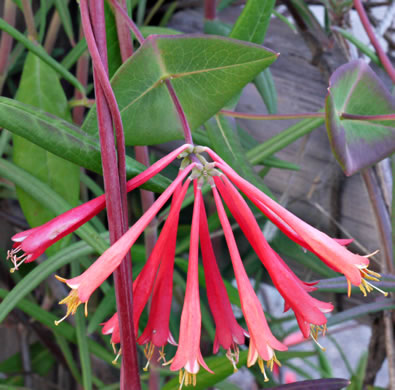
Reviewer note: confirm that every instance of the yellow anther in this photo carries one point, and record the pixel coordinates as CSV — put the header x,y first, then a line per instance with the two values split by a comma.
x,y
72,301
117,357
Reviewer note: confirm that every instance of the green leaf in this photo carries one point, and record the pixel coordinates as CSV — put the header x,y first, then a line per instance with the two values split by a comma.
x,y
355,89
41,272
283,139
361,46
155,30
38,356
40,87
82,339
41,53
64,329
264,84
64,139
223,368
113,49
358,377
361,310
206,72
253,22
65,17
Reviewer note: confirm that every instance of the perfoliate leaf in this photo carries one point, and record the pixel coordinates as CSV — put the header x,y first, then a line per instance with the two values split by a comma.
x,y
206,72
355,89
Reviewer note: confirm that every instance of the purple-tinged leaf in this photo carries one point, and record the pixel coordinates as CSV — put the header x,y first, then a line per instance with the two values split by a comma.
x,y
316,384
357,143
361,310
339,284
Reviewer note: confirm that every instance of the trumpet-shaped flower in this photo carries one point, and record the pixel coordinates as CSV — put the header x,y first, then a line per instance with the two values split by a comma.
x,y
330,251
229,334
308,310
188,358
85,284
262,342
157,332
32,243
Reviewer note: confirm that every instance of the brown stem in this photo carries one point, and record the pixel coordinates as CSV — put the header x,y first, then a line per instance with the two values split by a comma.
x,y
52,33
29,19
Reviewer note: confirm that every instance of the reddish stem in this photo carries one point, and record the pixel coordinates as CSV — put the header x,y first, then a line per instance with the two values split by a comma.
x,y
210,9
245,115
115,184
387,117
82,76
9,13
181,113
124,38
128,21
373,39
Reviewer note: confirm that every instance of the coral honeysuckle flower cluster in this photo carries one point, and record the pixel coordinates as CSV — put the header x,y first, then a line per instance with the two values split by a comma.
x,y
156,278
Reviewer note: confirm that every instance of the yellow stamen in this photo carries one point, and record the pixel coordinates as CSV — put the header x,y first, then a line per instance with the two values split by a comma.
x,y
12,255
117,357
348,288
162,355
233,355
72,301
367,287
186,378
262,367
148,352
315,331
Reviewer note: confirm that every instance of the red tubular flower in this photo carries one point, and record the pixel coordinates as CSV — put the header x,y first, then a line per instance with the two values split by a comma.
x,y
308,310
157,332
85,284
112,327
142,286
262,341
331,252
32,243
229,334
188,358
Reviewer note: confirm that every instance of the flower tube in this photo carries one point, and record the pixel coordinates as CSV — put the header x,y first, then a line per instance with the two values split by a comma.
x,y
308,310
228,333
188,357
332,253
262,342
32,243
85,284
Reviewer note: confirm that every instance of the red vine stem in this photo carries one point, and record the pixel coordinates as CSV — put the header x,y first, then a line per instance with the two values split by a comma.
x,y
128,21
373,39
180,113
9,13
114,181
82,74
210,9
